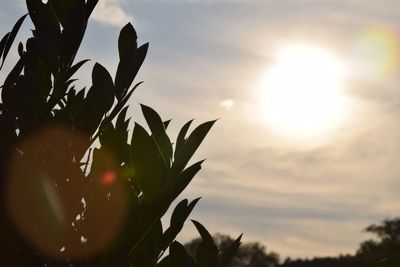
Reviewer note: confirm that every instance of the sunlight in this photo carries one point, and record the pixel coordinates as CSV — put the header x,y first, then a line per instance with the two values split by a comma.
x,y
302,93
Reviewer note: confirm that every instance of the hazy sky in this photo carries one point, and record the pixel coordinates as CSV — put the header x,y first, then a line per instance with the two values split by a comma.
x,y
208,59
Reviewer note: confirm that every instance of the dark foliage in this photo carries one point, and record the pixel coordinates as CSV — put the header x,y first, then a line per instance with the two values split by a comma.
x,y
251,254
67,202
385,251
382,252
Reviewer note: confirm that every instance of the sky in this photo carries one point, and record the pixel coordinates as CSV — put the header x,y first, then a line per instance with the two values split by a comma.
x,y
300,195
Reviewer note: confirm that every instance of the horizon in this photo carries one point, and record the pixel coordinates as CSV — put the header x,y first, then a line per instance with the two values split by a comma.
x,y
215,59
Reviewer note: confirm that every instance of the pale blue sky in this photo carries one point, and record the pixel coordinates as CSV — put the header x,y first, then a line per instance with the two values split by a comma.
x,y
299,200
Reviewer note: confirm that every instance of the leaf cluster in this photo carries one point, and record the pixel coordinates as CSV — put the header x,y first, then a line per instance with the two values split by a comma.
x,y
110,196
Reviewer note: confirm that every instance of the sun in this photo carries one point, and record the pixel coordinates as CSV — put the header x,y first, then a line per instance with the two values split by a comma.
x,y
302,94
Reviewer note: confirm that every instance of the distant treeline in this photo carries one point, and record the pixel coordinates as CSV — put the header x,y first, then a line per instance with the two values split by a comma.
x,y
384,251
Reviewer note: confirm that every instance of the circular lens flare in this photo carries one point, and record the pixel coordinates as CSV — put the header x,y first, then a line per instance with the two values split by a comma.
x,y
54,205
377,51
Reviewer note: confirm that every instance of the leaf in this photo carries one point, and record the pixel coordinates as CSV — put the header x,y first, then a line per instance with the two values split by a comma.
x,y
127,41
190,146
102,90
227,255
166,124
139,59
147,164
3,43
180,141
131,59
121,123
177,255
178,212
186,177
207,252
9,83
90,5
11,38
151,246
47,27
20,49
159,135
178,218
75,68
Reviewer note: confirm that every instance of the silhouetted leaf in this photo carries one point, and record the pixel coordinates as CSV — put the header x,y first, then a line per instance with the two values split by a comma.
x,y
227,255
103,87
11,38
20,49
147,163
75,68
177,255
207,252
139,59
127,41
190,146
178,218
9,83
3,43
159,135
130,62
166,124
181,139
186,177
90,5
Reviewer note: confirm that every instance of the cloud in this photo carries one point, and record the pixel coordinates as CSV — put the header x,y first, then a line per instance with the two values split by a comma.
x,y
227,103
111,12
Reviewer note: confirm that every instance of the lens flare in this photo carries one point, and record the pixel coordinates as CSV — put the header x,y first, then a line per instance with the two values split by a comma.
x,y
377,51
52,202
108,178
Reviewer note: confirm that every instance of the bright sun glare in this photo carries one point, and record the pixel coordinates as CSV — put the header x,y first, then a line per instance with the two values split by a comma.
x,y
303,92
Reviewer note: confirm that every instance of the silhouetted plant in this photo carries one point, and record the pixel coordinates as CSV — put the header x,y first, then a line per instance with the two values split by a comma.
x,y
251,254
77,189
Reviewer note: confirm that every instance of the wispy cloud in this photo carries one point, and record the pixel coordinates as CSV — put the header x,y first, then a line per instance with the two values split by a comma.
x,y
111,12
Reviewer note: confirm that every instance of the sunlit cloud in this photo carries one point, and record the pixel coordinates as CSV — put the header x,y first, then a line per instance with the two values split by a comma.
x,y
227,103
111,12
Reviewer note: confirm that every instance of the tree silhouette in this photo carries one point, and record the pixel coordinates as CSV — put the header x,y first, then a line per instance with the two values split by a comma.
x,y
383,251
78,189
386,250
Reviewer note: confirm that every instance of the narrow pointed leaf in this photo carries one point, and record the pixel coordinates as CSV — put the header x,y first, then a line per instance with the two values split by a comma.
x,y
207,252
158,133
205,235
186,177
90,5
182,137
190,146
166,124
75,68
178,218
227,255
3,43
11,38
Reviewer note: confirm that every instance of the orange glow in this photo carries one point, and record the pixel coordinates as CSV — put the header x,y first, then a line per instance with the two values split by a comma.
x,y
108,178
